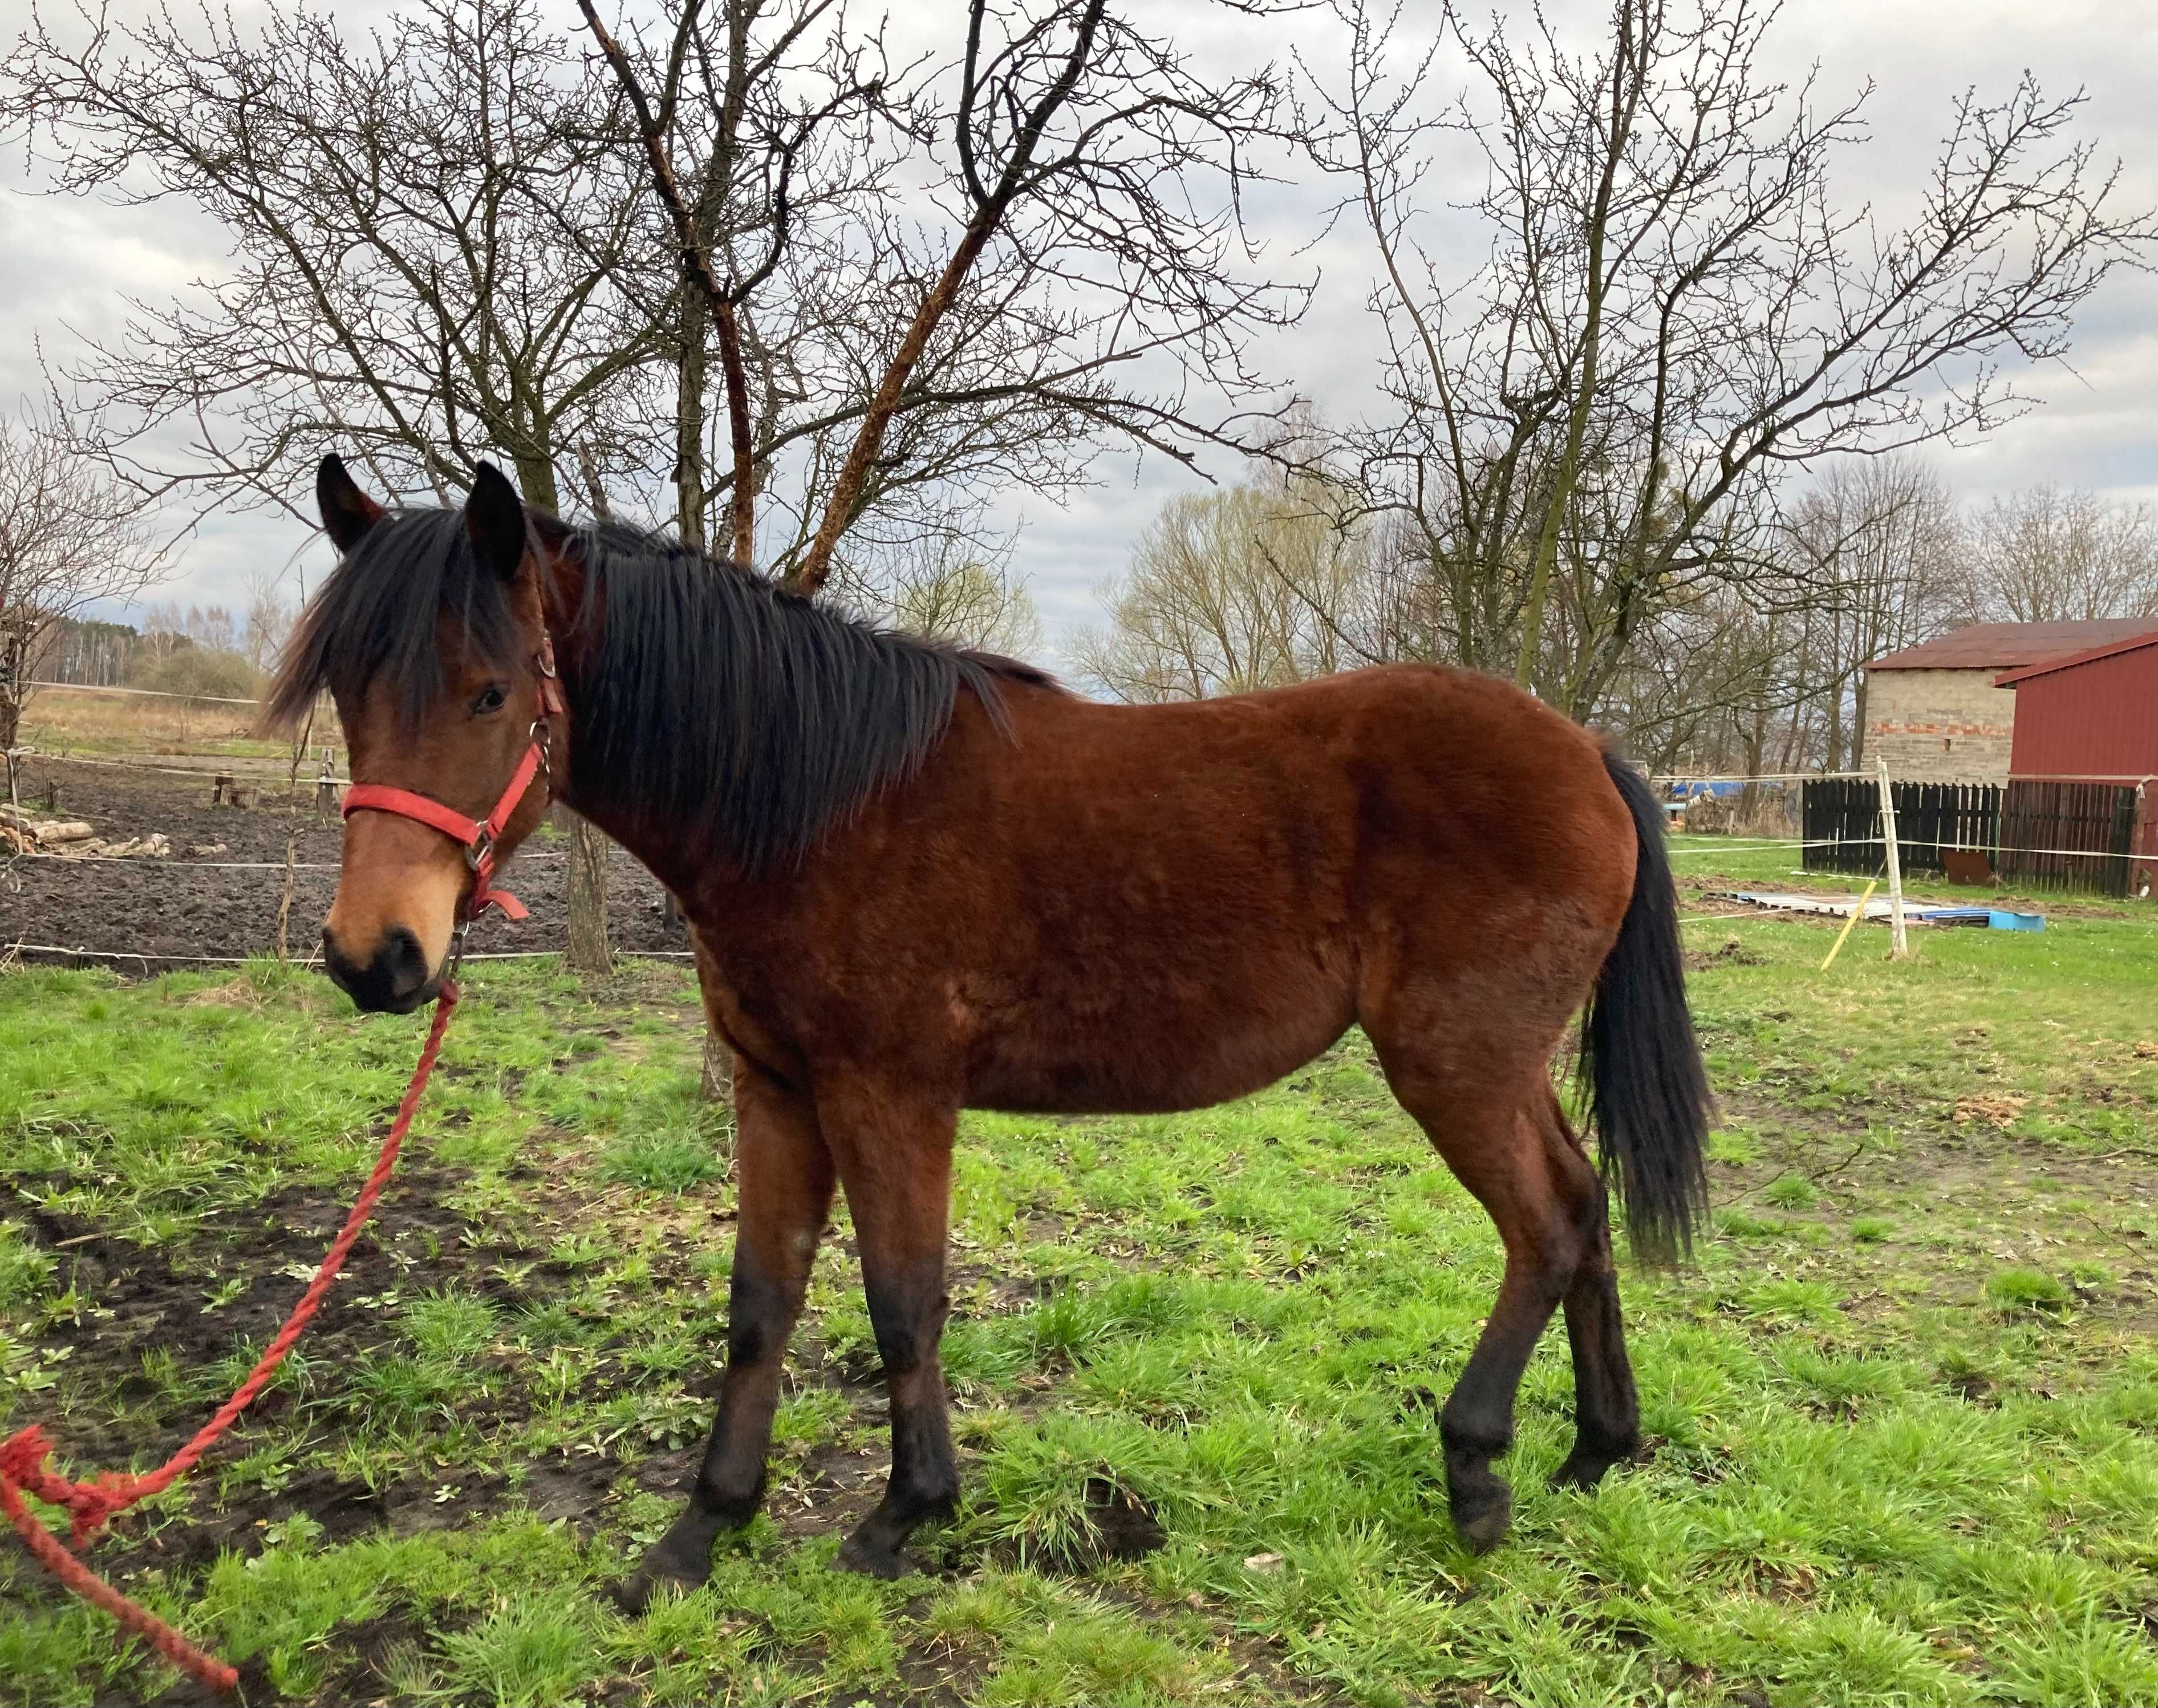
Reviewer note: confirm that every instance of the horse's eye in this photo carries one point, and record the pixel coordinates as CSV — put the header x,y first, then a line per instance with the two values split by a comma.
x,y
491,700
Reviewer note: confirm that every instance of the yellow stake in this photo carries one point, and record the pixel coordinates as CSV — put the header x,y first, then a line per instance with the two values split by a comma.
x,y
1857,913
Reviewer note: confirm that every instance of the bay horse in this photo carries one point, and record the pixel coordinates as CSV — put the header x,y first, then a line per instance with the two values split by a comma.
x,y
920,879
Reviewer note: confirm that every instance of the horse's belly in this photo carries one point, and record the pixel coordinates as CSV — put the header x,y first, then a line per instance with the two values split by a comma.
x,y
1149,1058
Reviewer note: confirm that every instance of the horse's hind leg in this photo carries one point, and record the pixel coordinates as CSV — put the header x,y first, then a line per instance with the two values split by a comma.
x,y
785,1176
1482,1121
1607,1414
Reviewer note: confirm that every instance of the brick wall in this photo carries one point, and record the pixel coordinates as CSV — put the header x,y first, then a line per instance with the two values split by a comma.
x,y
1940,726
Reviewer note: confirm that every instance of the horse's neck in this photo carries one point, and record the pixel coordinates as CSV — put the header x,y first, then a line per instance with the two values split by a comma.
x,y
667,849
685,853
678,855
680,830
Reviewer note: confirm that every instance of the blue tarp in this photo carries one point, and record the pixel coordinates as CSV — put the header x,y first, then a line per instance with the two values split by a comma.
x,y
1697,791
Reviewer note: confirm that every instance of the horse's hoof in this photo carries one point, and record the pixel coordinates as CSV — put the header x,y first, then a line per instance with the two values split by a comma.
x,y
1484,1525
1585,1466
1582,1470
871,1559
635,1593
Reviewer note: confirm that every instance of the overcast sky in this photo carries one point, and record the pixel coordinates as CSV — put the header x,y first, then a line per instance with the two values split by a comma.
x,y
65,266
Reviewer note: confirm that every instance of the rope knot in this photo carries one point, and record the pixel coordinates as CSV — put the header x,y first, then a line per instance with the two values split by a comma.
x,y
89,1505
92,1503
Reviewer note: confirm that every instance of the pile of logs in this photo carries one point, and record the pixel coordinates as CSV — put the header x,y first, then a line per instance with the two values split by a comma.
x,y
72,839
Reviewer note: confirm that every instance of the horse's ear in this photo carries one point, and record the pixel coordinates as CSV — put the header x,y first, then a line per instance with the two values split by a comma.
x,y
494,522
348,513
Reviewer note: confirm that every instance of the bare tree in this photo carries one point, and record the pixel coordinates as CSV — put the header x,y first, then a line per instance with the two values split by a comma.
x,y
1093,175
778,116
1249,587
71,537
268,621
1767,673
430,227
434,228
1879,547
941,588
2044,556
1675,311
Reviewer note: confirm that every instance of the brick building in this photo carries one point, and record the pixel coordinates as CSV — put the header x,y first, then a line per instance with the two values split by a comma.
x,y
1934,712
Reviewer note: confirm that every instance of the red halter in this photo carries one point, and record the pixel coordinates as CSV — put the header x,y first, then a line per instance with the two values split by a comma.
x,y
478,836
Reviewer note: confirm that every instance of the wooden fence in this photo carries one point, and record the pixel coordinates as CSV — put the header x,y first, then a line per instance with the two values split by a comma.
x,y
2070,835
2039,832
1841,818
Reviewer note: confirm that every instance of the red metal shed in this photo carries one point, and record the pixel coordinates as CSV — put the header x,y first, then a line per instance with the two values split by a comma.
x,y
2093,713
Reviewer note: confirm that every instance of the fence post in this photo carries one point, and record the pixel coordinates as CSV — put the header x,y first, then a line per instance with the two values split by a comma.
x,y
1899,945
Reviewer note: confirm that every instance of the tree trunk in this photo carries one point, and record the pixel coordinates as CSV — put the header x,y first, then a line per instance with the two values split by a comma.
x,y
1626,97
718,1083
690,425
11,719
1756,740
590,951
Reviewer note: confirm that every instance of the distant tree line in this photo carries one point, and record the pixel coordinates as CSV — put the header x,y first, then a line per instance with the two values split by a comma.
x,y
1265,583
90,653
200,649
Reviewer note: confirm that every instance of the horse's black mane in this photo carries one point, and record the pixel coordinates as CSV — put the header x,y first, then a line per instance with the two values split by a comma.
x,y
753,717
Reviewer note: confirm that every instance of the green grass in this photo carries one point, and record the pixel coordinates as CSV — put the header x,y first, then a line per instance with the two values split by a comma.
x,y
2027,1290
1904,1409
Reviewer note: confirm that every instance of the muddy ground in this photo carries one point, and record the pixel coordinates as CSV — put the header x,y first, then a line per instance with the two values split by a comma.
x,y
186,904
149,1303
156,1300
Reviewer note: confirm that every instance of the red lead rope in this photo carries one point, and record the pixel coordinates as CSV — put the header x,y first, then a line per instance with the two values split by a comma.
x,y
90,1505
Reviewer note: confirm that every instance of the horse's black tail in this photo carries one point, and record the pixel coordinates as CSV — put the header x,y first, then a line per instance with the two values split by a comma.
x,y
1648,1089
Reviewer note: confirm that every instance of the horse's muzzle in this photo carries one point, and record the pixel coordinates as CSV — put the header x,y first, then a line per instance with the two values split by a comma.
x,y
396,981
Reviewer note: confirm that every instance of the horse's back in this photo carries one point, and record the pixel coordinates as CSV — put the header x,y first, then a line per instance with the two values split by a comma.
x,y
1396,761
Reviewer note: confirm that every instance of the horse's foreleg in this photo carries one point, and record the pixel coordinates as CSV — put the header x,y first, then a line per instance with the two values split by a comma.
x,y
895,1163
785,1175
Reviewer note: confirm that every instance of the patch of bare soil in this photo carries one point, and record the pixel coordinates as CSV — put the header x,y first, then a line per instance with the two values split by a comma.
x,y
1732,954
154,1318
194,903
1961,1205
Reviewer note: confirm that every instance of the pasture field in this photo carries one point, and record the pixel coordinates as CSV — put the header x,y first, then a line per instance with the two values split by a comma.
x,y
66,719
1903,1410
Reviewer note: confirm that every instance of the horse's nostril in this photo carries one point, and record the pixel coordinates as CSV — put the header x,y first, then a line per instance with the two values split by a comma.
x,y
393,980
404,962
